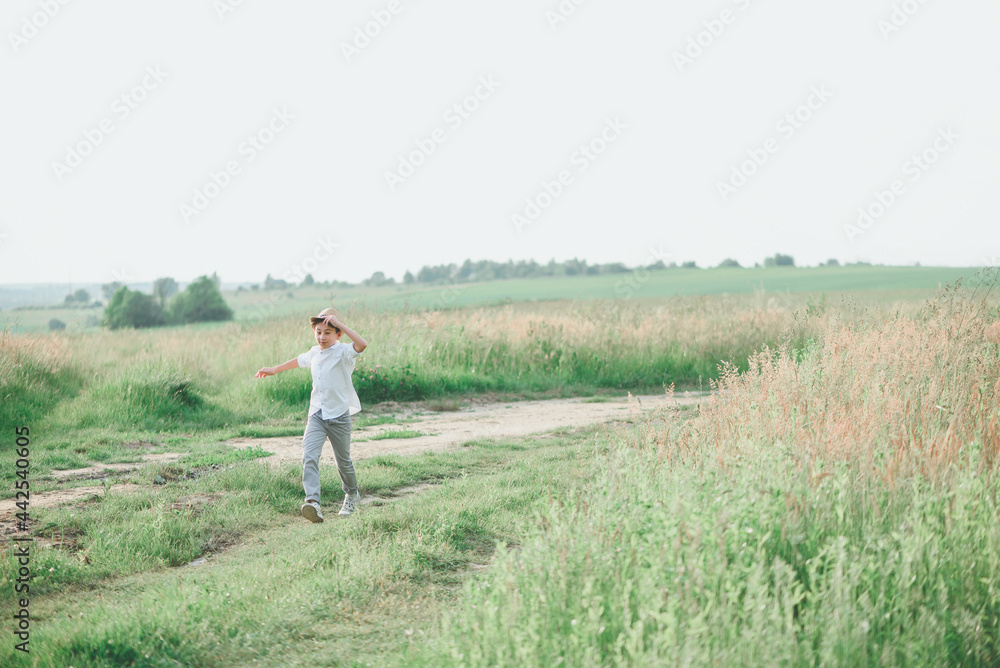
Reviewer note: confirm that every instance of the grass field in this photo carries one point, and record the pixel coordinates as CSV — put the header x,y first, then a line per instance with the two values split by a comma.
x,y
136,385
92,392
834,503
835,282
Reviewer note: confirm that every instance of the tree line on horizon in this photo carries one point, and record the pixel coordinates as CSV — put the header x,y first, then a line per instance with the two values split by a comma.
x,y
491,270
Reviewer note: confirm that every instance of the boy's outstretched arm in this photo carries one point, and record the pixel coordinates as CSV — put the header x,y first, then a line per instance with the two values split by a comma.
x,y
271,370
359,343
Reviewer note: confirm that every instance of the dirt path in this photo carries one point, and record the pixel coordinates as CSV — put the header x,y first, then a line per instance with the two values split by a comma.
x,y
448,431
60,497
440,432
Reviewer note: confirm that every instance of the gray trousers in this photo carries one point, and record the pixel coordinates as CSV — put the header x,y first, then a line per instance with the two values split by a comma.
x,y
317,431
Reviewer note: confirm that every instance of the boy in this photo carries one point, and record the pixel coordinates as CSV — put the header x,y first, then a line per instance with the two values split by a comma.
x,y
332,403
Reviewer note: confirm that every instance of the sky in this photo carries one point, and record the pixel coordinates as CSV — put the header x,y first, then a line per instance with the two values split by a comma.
x,y
246,138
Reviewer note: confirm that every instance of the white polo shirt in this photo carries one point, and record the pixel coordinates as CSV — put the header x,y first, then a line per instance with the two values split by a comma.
x,y
332,390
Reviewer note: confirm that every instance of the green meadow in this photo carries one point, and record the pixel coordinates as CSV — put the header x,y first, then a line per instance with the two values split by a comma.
x,y
832,502
834,282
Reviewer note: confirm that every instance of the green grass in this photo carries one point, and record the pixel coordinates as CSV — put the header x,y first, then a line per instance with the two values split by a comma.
x,y
364,421
786,522
37,320
654,564
395,433
35,376
154,385
285,592
227,457
152,393
112,533
668,565
812,513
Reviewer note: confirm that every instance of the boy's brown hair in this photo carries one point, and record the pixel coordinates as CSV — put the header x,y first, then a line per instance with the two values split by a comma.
x,y
316,319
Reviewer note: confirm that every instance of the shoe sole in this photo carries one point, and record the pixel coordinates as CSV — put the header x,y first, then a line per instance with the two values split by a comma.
x,y
311,514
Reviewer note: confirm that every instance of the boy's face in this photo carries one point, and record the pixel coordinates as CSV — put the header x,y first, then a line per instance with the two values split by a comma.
x,y
326,335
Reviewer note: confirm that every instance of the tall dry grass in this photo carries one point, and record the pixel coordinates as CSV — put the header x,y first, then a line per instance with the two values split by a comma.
x,y
834,504
911,394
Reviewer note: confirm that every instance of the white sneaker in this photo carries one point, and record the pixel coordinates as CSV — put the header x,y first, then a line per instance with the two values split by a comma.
x,y
350,503
310,511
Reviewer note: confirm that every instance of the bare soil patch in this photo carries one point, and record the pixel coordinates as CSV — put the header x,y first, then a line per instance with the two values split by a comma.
x,y
103,470
448,431
62,497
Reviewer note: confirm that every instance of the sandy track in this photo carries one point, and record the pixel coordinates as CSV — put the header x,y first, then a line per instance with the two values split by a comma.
x,y
447,431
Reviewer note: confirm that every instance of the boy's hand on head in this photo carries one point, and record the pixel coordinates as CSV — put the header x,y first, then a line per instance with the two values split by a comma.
x,y
334,321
